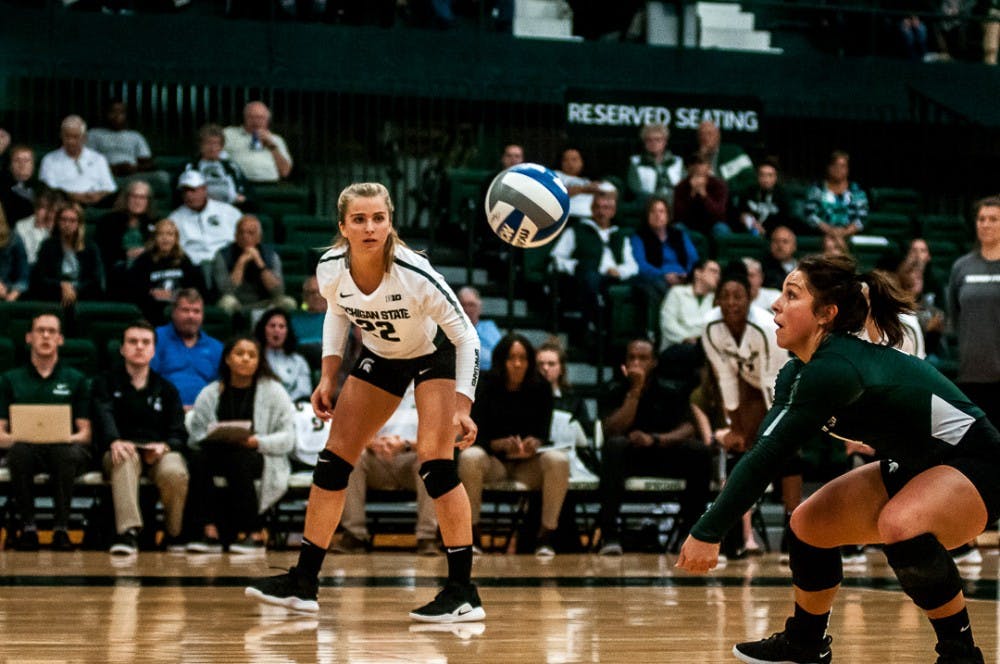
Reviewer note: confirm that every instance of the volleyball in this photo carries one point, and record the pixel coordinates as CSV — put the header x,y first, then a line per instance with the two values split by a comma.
x,y
527,205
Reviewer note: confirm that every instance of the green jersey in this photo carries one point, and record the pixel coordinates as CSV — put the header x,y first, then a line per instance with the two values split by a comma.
x,y
898,404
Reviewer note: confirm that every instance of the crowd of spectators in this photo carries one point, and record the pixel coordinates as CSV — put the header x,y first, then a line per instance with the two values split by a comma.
x,y
239,392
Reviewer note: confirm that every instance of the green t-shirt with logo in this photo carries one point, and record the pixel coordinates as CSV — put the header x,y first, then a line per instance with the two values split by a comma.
x,y
65,385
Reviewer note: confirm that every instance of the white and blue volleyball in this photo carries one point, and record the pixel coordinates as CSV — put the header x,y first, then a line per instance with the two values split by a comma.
x,y
527,205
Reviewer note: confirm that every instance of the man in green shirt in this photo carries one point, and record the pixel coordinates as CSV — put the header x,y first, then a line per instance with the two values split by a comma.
x,y
45,381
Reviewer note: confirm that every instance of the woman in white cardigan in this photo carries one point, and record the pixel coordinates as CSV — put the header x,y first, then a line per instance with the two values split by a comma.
x,y
241,428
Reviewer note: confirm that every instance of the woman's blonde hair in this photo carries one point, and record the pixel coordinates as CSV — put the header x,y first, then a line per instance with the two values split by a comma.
x,y
367,190
81,231
174,255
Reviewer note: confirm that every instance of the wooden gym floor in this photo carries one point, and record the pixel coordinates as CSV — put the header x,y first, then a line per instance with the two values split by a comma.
x,y
90,607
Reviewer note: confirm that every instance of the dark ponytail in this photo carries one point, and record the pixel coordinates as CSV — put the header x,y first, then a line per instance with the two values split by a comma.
x,y
886,301
833,280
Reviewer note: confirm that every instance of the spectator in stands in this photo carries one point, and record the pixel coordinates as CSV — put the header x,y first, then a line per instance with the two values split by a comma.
x,y
241,428
223,177
913,37
18,184
122,233
567,405
682,318
991,31
648,431
974,308
139,430
185,355
700,200
657,170
45,380
597,254
760,296
205,226
489,333
36,229
69,266
160,272
513,409
389,462
276,336
727,161
81,172
248,273
662,250
126,149
581,189
261,154
835,245
917,278
308,322
741,345
836,206
14,268
763,206
780,259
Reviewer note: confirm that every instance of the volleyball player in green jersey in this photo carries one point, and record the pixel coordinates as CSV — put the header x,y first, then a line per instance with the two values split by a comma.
x,y
937,487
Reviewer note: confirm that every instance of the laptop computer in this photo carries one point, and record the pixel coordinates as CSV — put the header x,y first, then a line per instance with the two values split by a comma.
x,y
41,423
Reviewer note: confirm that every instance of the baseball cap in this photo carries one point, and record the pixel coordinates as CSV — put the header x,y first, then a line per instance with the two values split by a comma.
x,y
192,179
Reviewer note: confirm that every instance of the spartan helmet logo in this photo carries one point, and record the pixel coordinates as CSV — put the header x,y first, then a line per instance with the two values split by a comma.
x,y
366,364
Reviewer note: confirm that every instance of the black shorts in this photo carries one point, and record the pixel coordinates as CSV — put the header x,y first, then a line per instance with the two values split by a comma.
x,y
394,376
981,468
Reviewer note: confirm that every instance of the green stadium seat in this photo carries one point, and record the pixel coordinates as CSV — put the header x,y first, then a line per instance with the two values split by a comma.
x,y
218,323
8,354
739,245
293,258
103,321
945,227
889,199
893,225
81,354
280,200
808,244
266,227
293,285
308,230
465,184
944,253
701,244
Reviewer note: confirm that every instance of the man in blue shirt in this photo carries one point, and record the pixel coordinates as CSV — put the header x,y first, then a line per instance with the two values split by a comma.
x,y
489,333
185,355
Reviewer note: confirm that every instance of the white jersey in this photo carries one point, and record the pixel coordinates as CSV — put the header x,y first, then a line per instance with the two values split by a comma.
x,y
913,337
756,359
400,319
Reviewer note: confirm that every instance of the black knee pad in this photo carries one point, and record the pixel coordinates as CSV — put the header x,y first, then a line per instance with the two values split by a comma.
x,y
332,472
440,476
813,568
925,570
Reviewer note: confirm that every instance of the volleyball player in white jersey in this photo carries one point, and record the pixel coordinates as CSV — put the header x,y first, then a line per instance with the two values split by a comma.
x,y
413,329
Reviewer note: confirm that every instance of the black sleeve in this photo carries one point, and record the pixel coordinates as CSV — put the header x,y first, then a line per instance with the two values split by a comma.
x,y
541,404
46,274
91,282
483,414
104,424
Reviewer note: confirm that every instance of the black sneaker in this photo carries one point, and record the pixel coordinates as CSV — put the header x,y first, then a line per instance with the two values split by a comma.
x,y
291,590
204,545
247,545
126,543
958,652
27,541
173,544
780,649
61,541
455,603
